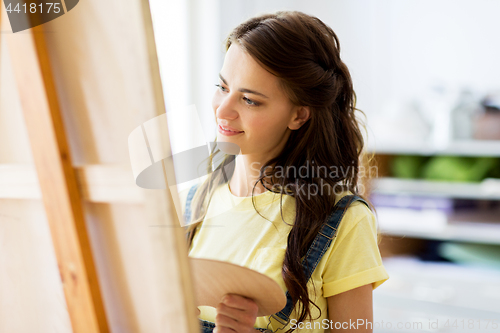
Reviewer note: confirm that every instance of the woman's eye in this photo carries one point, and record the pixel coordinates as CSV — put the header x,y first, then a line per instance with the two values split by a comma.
x,y
247,100
220,87
250,102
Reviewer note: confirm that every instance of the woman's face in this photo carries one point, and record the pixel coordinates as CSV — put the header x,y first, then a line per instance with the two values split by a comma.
x,y
250,102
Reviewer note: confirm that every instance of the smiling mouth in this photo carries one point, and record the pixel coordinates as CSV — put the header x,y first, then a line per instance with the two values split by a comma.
x,y
228,130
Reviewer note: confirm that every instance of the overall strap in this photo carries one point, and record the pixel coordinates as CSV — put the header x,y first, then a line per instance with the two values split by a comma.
x,y
317,249
187,210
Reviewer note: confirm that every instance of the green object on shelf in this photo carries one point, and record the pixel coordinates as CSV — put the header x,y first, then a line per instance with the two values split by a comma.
x,y
407,166
469,253
461,169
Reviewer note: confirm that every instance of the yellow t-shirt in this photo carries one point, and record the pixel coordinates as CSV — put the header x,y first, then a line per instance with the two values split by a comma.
x,y
234,232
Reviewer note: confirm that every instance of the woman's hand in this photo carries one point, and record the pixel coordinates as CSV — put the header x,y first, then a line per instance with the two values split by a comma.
x,y
235,313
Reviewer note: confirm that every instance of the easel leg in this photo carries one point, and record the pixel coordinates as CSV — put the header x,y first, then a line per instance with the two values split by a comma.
x,y
61,197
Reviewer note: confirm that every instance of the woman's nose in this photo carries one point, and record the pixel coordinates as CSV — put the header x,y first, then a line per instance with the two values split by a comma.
x,y
226,108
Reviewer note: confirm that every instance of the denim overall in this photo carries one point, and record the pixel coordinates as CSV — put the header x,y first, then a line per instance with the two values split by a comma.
x,y
318,247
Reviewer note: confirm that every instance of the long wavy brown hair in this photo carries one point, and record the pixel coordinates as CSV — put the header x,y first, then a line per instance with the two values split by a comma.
x,y
304,53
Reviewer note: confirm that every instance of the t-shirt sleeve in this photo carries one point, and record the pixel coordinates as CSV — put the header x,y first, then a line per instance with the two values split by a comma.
x,y
354,259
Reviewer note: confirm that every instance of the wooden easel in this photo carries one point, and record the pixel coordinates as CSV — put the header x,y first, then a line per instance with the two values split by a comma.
x,y
84,180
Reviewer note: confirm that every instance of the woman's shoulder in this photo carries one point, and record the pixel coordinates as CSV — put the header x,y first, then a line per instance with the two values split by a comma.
x,y
357,212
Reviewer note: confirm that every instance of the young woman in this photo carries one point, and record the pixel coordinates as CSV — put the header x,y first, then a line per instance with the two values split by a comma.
x,y
286,205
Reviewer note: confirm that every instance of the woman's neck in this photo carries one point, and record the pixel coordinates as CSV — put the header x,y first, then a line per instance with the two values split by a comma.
x,y
246,173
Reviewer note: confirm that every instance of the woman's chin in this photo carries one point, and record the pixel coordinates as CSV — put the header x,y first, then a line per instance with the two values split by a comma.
x,y
227,138
222,138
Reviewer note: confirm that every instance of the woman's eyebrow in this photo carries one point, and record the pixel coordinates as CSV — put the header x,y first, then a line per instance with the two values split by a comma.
x,y
244,89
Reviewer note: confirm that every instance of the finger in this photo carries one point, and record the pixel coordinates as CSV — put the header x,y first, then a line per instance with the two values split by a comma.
x,y
225,322
240,302
198,311
241,316
222,329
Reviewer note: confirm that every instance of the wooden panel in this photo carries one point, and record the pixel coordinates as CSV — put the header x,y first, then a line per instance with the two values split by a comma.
x,y
14,144
30,282
32,297
97,183
106,77
109,87
57,180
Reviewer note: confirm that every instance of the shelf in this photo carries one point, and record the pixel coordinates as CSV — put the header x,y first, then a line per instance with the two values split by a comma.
x,y
459,148
489,189
432,223
485,233
423,291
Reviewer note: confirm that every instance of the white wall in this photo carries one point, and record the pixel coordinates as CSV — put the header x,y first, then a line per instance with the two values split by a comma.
x,y
395,49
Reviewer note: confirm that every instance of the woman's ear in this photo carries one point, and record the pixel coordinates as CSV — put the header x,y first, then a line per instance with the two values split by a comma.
x,y
300,116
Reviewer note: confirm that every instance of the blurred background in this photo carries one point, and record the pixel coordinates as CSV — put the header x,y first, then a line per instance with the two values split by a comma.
x,y
427,76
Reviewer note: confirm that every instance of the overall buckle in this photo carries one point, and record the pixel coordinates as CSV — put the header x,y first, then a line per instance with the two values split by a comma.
x,y
278,319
